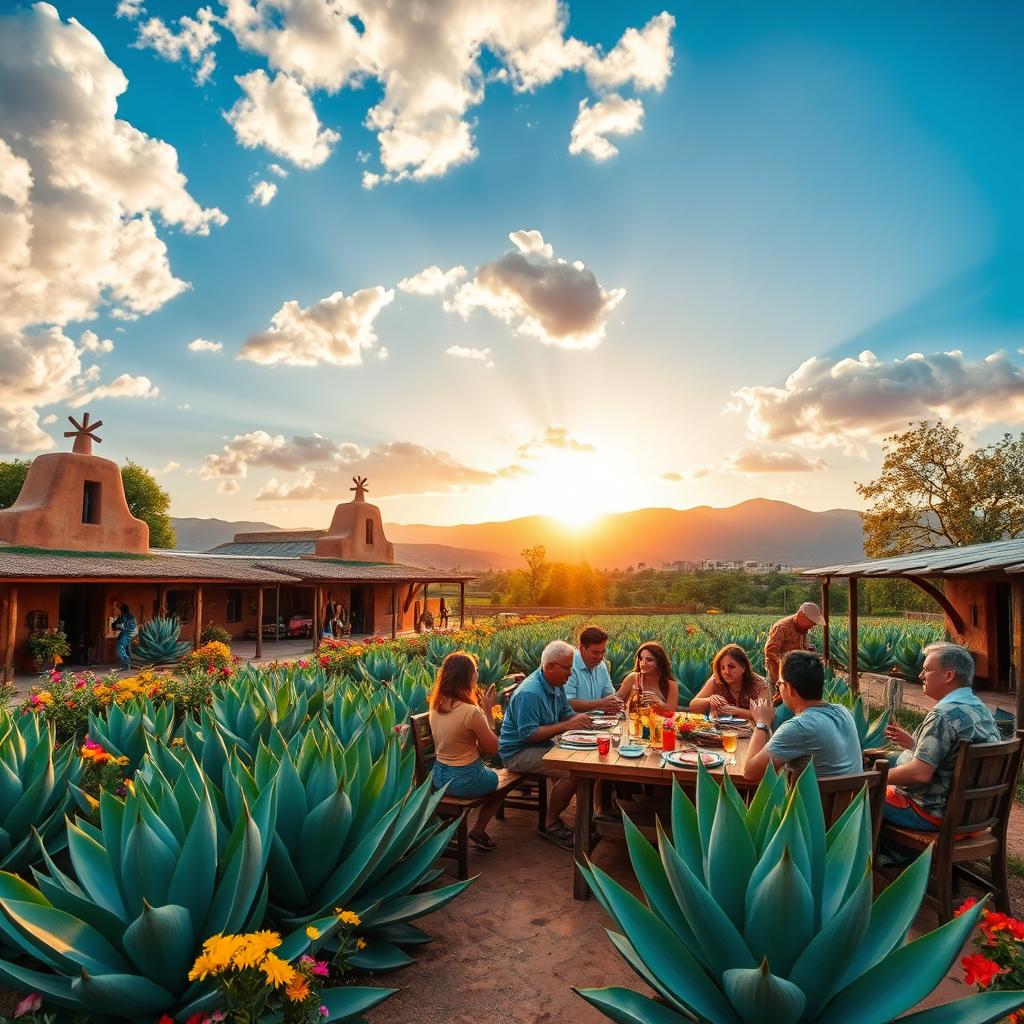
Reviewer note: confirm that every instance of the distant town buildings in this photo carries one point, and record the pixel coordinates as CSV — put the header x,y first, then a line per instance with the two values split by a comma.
x,y
751,566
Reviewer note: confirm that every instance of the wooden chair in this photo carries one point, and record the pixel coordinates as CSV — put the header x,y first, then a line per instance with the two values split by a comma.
x,y
451,806
531,791
974,826
839,791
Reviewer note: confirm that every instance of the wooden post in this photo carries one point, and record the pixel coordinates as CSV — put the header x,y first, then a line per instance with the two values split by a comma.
x,y
277,622
824,611
394,610
852,640
317,614
425,606
259,623
462,604
1017,643
198,628
12,634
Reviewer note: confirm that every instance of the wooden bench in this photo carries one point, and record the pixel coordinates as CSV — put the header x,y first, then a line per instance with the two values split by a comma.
x,y
974,826
452,806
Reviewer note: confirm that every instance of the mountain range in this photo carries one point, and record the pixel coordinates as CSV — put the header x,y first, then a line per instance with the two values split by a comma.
x,y
759,529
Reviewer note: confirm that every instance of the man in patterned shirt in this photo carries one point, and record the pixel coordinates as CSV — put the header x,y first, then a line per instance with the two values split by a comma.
x,y
920,781
789,634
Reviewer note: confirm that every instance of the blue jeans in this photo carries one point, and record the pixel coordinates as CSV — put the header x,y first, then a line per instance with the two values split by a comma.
x,y
124,651
465,780
907,817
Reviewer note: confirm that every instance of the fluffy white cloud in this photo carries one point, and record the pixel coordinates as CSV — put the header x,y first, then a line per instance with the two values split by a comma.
x,y
432,280
202,345
642,58
168,467
554,437
334,330
610,116
395,467
278,114
262,192
129,9
195,39
761,460
278,170
428,59
124,386
79,190
92,342
847,402
481,355
544,296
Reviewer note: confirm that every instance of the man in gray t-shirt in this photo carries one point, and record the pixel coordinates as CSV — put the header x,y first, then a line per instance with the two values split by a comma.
x,y
818,731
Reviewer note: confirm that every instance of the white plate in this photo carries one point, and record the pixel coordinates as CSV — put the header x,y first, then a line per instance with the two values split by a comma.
x,y
688,758
627,750
580,739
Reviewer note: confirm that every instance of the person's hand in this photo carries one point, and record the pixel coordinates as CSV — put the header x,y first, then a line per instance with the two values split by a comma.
x,y
764,713
648,699
611,704
489,698
717,702
899,736
580,721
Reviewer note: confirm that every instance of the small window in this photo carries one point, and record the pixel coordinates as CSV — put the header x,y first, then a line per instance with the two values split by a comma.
x,y
91,502
974,615
369,532
234,609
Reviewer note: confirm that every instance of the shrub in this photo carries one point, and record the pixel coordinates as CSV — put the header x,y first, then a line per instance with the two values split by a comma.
x,y
212,657
158,643
211,631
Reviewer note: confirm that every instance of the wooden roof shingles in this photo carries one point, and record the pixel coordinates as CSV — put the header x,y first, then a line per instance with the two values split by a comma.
x,y
997,556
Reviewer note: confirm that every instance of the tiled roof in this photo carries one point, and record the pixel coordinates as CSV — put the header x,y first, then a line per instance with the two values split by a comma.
x,y
265,549
35,563
276,537
997,556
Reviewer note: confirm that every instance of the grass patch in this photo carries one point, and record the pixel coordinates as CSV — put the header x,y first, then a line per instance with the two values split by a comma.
x,y
1015,864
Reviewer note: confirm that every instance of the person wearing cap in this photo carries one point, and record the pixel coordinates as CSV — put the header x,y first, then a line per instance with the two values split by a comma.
x,y
789,634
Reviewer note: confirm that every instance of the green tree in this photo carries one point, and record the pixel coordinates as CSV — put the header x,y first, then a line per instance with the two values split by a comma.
x,y
537,570
148,501
933,492
12,476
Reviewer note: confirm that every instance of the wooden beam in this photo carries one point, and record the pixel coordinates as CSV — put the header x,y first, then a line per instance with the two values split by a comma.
x,y
198,628
826,651
1017,643
462,604
955,618
413,587
12,633
317,613
852,639
259,623
394,610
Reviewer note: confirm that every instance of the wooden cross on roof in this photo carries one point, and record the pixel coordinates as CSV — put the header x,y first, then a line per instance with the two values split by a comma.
x,y
84,434
360,488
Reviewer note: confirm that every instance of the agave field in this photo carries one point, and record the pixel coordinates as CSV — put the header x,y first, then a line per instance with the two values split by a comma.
x,y
237,840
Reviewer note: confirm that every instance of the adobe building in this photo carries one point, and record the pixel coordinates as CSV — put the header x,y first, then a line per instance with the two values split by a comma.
x,y
71,552
980,589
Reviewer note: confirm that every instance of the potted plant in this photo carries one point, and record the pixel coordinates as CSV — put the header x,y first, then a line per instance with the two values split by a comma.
x,y
49,647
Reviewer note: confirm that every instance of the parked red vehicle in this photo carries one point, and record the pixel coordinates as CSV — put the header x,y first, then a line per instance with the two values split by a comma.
x,y
300,625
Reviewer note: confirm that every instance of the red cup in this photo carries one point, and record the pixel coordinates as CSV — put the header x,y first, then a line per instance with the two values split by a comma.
x,y
604,744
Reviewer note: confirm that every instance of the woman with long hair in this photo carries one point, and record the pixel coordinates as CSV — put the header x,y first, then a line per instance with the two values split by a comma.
x,y
652,675
733,686
460,722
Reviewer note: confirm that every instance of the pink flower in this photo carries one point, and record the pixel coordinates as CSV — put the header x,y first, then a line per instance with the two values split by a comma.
x,y
29,1004
80,685
54,676
324,1011
320,969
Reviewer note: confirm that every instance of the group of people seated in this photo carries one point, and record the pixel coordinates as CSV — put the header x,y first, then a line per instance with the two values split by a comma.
x,y
573,683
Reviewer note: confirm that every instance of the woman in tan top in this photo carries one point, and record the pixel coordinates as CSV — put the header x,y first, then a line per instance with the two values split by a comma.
x,y
460,722
733,686
652,676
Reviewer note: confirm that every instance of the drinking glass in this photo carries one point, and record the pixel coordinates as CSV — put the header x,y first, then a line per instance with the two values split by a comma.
x,y
729,737
604,743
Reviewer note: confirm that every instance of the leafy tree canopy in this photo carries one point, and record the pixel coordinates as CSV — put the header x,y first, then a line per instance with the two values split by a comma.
x,y
147,500
934,491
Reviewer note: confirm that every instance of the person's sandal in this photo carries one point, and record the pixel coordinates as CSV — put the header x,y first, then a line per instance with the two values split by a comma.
x,y
559,835
482,841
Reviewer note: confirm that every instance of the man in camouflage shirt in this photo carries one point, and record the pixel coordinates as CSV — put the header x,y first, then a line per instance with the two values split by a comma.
x,y
921,779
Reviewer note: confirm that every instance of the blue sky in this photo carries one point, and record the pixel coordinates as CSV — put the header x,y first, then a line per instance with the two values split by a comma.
x,y
809,182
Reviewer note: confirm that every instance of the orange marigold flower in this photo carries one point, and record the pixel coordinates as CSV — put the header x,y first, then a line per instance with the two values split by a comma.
x,y
979,970
278,972
297,990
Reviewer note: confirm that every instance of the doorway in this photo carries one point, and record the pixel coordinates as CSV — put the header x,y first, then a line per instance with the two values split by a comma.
x,y
80,611
1004,624
361,607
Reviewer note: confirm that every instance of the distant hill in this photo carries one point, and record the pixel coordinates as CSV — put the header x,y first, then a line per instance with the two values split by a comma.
x,y
203,534
760,529
768,531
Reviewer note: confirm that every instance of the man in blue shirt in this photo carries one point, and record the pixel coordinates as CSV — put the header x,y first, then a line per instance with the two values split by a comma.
x,y
921,779
818,730
590,686
537,713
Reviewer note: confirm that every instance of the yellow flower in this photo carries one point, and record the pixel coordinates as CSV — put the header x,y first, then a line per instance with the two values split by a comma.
x,y
204,965
298,989
360,943
348,917
312,933
177,742
45,697
278,972
220,950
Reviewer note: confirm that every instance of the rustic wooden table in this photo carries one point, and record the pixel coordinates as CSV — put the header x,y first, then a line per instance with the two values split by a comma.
x,y
588,767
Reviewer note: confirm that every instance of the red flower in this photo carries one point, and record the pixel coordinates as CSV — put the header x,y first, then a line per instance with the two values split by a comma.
x,y
979,970
964,907
29,1004
165,1019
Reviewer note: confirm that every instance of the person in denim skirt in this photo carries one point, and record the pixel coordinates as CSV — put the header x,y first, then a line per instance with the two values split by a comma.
x,y
460,722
